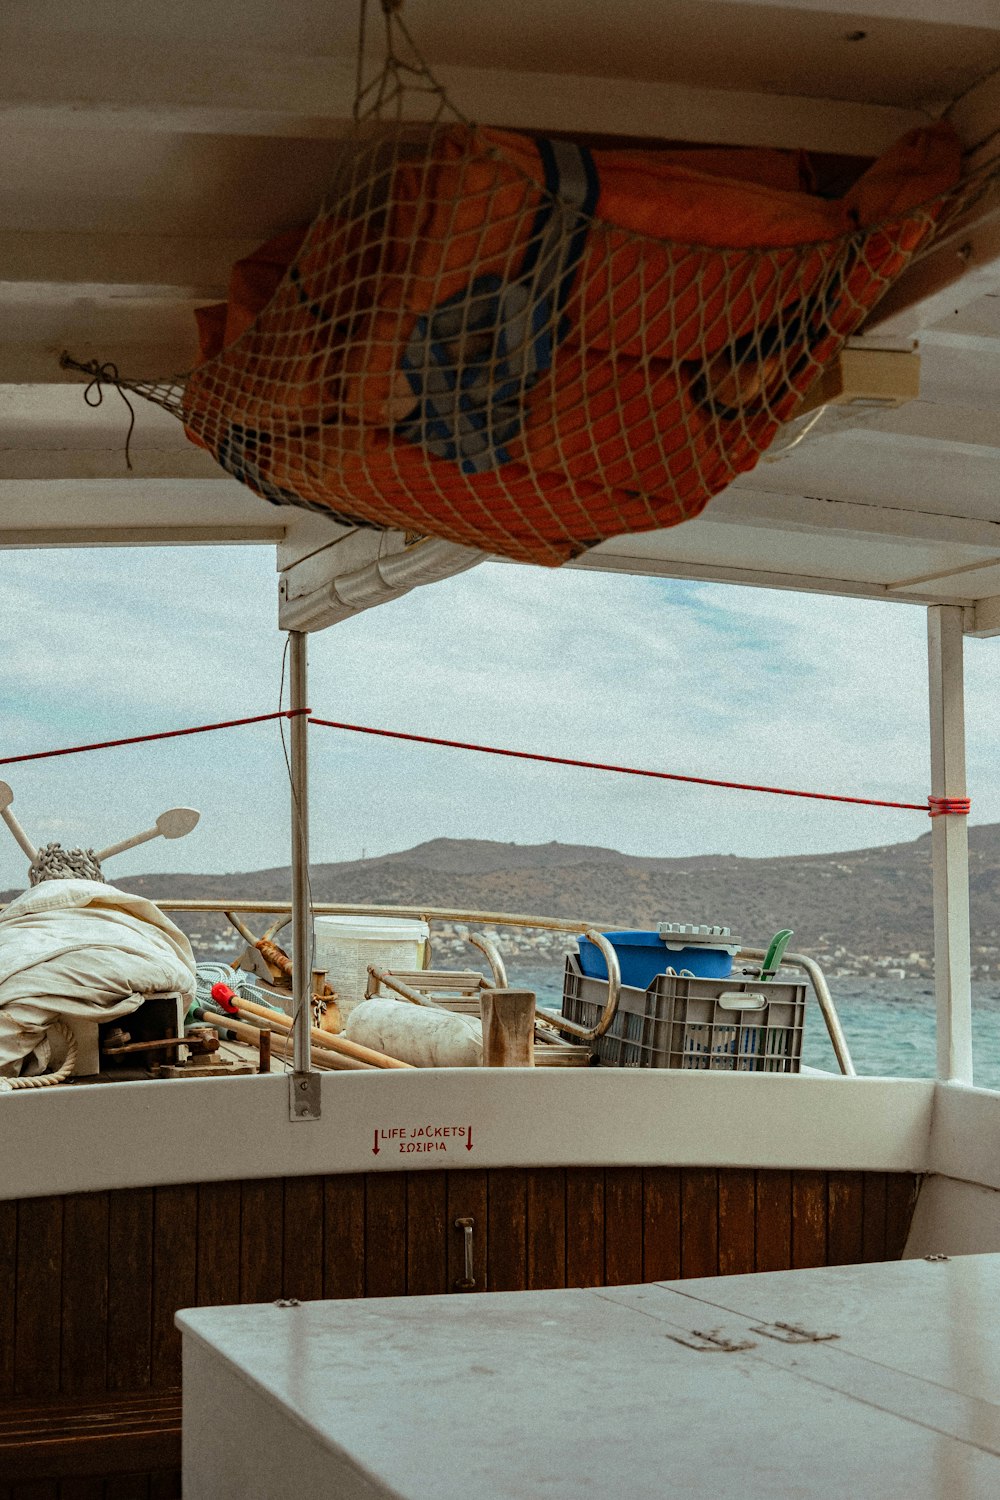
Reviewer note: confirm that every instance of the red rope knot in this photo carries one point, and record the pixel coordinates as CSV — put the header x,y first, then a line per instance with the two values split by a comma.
x,y
946,807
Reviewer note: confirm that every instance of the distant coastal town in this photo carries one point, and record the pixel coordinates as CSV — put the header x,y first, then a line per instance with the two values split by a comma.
x,y
520,947
862,915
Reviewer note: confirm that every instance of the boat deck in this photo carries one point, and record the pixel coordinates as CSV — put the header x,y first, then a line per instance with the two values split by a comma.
x,y
838,1382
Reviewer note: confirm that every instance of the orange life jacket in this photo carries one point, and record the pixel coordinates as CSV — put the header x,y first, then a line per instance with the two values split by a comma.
x,y
529,347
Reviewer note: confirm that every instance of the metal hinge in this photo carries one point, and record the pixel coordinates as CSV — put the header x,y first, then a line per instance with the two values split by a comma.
x,y
711,1342
791,1333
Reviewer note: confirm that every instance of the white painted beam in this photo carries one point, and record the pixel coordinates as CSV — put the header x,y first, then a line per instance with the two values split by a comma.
x,y
38,364
985,618
963,267
644,565
56,416
966,577
964,340
753,506
965,264
171,267
976,115
673,111
744,507
980,13
868,467
307,533
81,83
107,462
134,510
967,428
950,846
17,539
186,90
964,431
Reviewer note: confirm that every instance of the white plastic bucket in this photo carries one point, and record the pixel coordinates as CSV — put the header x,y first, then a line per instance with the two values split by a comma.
x,y
345,946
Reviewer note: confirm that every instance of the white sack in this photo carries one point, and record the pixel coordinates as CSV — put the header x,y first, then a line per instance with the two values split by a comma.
x,y
417,1034
83,949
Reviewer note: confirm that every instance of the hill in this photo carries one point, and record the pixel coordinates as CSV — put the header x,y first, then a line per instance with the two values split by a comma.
x,y
856,911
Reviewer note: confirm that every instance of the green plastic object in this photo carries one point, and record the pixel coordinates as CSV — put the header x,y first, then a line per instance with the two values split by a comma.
x,y
775,953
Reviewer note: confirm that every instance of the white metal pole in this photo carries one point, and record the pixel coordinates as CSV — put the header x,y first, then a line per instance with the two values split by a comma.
x,y
301,912
950,846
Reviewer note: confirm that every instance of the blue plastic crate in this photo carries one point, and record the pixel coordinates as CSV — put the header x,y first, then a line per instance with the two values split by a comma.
x,y
643,955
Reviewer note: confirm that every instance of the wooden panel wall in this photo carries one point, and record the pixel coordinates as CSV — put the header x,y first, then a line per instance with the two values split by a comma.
x,y
97,1277
163,1485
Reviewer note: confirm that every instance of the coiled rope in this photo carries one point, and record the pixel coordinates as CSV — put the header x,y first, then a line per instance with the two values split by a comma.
x,y
47,1080
53,862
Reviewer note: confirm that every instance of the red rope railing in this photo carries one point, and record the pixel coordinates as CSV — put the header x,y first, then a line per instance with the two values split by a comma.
x,y
937,807
142,739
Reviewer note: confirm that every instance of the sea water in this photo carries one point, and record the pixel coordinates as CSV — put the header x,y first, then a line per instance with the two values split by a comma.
x,y
890,1029
889,1024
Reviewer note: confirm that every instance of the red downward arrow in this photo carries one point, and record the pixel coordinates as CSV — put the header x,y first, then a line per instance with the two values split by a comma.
x,y
375,1147
468,1144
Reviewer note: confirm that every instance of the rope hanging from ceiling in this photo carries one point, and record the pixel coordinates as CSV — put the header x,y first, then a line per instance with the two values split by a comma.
x,y
527,346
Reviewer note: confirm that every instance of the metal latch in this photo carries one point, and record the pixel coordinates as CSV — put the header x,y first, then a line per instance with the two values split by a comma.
x,y
791,1333
711,1342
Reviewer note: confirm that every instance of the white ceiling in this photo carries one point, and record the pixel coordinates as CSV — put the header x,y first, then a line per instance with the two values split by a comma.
x,y
146,148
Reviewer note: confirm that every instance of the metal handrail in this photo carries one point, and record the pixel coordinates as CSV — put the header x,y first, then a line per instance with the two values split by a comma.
x,y
824,999
572,928
493,958
592,1033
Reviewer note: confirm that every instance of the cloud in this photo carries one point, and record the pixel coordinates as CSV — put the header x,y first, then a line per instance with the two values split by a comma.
x,y
756,685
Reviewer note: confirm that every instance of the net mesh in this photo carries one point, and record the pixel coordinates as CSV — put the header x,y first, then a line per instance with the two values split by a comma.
x,y
527,346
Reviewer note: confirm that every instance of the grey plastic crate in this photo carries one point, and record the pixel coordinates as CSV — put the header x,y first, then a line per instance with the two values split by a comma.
x,y
716,1024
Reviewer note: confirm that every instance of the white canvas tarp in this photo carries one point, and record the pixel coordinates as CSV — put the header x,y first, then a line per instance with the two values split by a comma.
x,y
77,948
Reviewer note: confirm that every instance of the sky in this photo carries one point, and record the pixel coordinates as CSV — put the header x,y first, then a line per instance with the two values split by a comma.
x,y
711,680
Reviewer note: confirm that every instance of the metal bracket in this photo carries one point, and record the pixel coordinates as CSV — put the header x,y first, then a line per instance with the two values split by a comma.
x,y
304,1096
712,1342
791,1333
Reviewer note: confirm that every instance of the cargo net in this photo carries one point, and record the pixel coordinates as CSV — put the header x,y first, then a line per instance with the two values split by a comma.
x,y
527,346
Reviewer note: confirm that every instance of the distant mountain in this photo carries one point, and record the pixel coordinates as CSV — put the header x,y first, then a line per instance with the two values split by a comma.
x,y
852,909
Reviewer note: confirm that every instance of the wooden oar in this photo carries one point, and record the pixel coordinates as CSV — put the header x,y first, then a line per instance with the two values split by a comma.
x,y
340,1044
323,1057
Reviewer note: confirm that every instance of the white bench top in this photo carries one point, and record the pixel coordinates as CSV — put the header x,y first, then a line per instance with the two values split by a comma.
x,y
568,1394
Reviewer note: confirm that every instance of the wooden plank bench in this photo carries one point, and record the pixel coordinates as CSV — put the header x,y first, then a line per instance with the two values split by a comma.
x,y
133,1432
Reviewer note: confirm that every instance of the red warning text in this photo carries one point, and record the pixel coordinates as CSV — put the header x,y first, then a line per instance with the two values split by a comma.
x,y
421,1140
